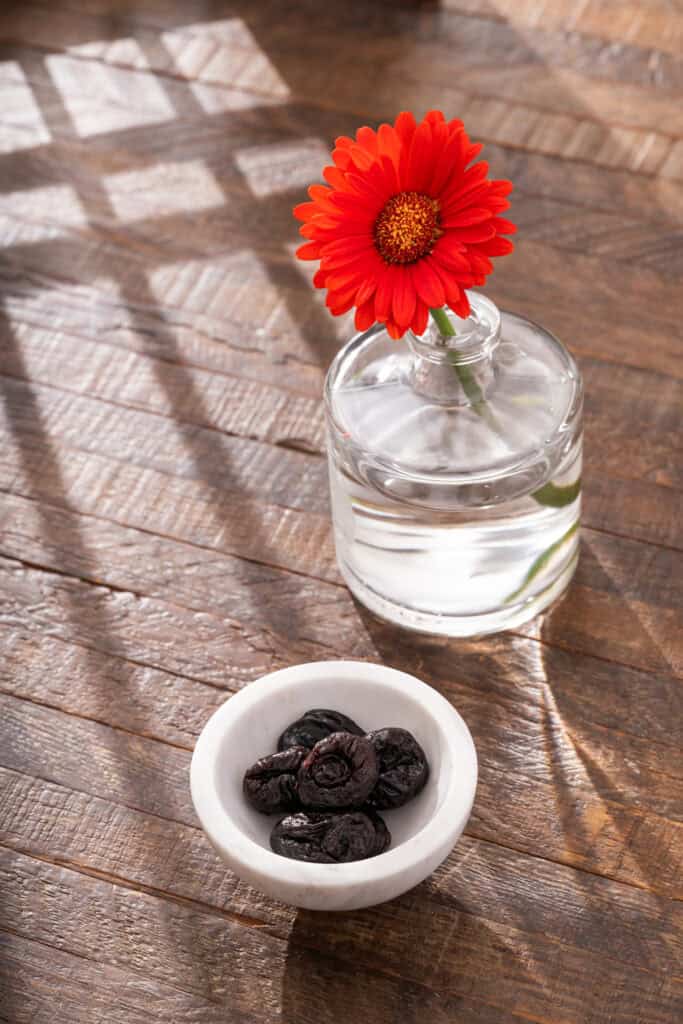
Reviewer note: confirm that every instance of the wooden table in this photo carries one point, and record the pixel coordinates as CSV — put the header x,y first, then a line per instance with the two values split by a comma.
x,y
165,532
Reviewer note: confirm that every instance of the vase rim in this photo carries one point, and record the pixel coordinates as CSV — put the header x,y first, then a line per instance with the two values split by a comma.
x,y
475,339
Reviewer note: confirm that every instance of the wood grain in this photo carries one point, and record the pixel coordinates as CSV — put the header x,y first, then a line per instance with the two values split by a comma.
x,y
618,580
552,745
643,432
564,112
164,522
195,951
31,974
653,23
99,838
185,455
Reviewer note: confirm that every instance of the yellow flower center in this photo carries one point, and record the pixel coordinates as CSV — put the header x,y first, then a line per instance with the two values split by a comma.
x,y
407,227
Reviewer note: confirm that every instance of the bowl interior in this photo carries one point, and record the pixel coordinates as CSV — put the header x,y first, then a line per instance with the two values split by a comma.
x,y
254,732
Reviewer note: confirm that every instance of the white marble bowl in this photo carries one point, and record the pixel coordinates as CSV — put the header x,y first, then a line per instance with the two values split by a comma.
x,y
423,832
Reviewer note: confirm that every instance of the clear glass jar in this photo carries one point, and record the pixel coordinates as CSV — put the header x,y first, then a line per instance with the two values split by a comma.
x,y
455,471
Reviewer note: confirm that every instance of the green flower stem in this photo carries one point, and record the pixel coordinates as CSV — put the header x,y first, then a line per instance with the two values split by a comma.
x,y
464,373
540,563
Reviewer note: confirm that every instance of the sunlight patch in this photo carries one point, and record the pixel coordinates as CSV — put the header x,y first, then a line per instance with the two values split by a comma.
x,y
163,189
21,122
282,166
100,98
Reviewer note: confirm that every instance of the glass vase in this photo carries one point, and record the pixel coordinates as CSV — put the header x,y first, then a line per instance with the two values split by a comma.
x,y
455,471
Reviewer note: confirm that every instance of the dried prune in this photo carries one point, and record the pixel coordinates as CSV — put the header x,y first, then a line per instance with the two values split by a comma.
x,y
330,838
403,768
314,726
341,771
271,785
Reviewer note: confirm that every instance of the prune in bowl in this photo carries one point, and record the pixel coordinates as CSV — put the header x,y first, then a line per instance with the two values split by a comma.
x,y
341,771
423,831
315,725
403,768
271,783
330,838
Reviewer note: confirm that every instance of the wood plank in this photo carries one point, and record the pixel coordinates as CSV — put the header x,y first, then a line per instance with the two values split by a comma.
x,y
246,469
34,978
147,227
608,213
646,444
144,630
370,938
59,673
614,615
536,709
92,835
592,330
33,972
171,507
85,27
230,404
611,235
660,200
627,435
192,511
595,303
653,23
535,755
274,161
202,462
162,941
191,339
564,112
303,985
510,671
618,581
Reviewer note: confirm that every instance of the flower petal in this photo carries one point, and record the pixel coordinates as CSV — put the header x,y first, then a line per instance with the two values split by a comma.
x,y
405,126
366,138
341,157
389,143
501,187
474,233
334,177
504,227
361,158
365,316
366,291
338,307
478,196
470,215
420,317
309,251
427,283
497,246
452,286
462,307
394,331
404,297
457,266
449,163
419,170
383,294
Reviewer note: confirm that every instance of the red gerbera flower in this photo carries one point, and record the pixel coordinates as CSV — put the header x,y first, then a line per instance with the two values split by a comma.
x,y
405,224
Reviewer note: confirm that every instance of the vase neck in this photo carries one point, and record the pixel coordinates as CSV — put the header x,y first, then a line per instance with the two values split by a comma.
x,y
457,369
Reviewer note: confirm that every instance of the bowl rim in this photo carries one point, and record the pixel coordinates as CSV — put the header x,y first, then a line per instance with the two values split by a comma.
x,y
436,835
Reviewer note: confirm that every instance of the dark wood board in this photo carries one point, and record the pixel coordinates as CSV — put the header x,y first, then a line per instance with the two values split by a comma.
x,y
164,520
